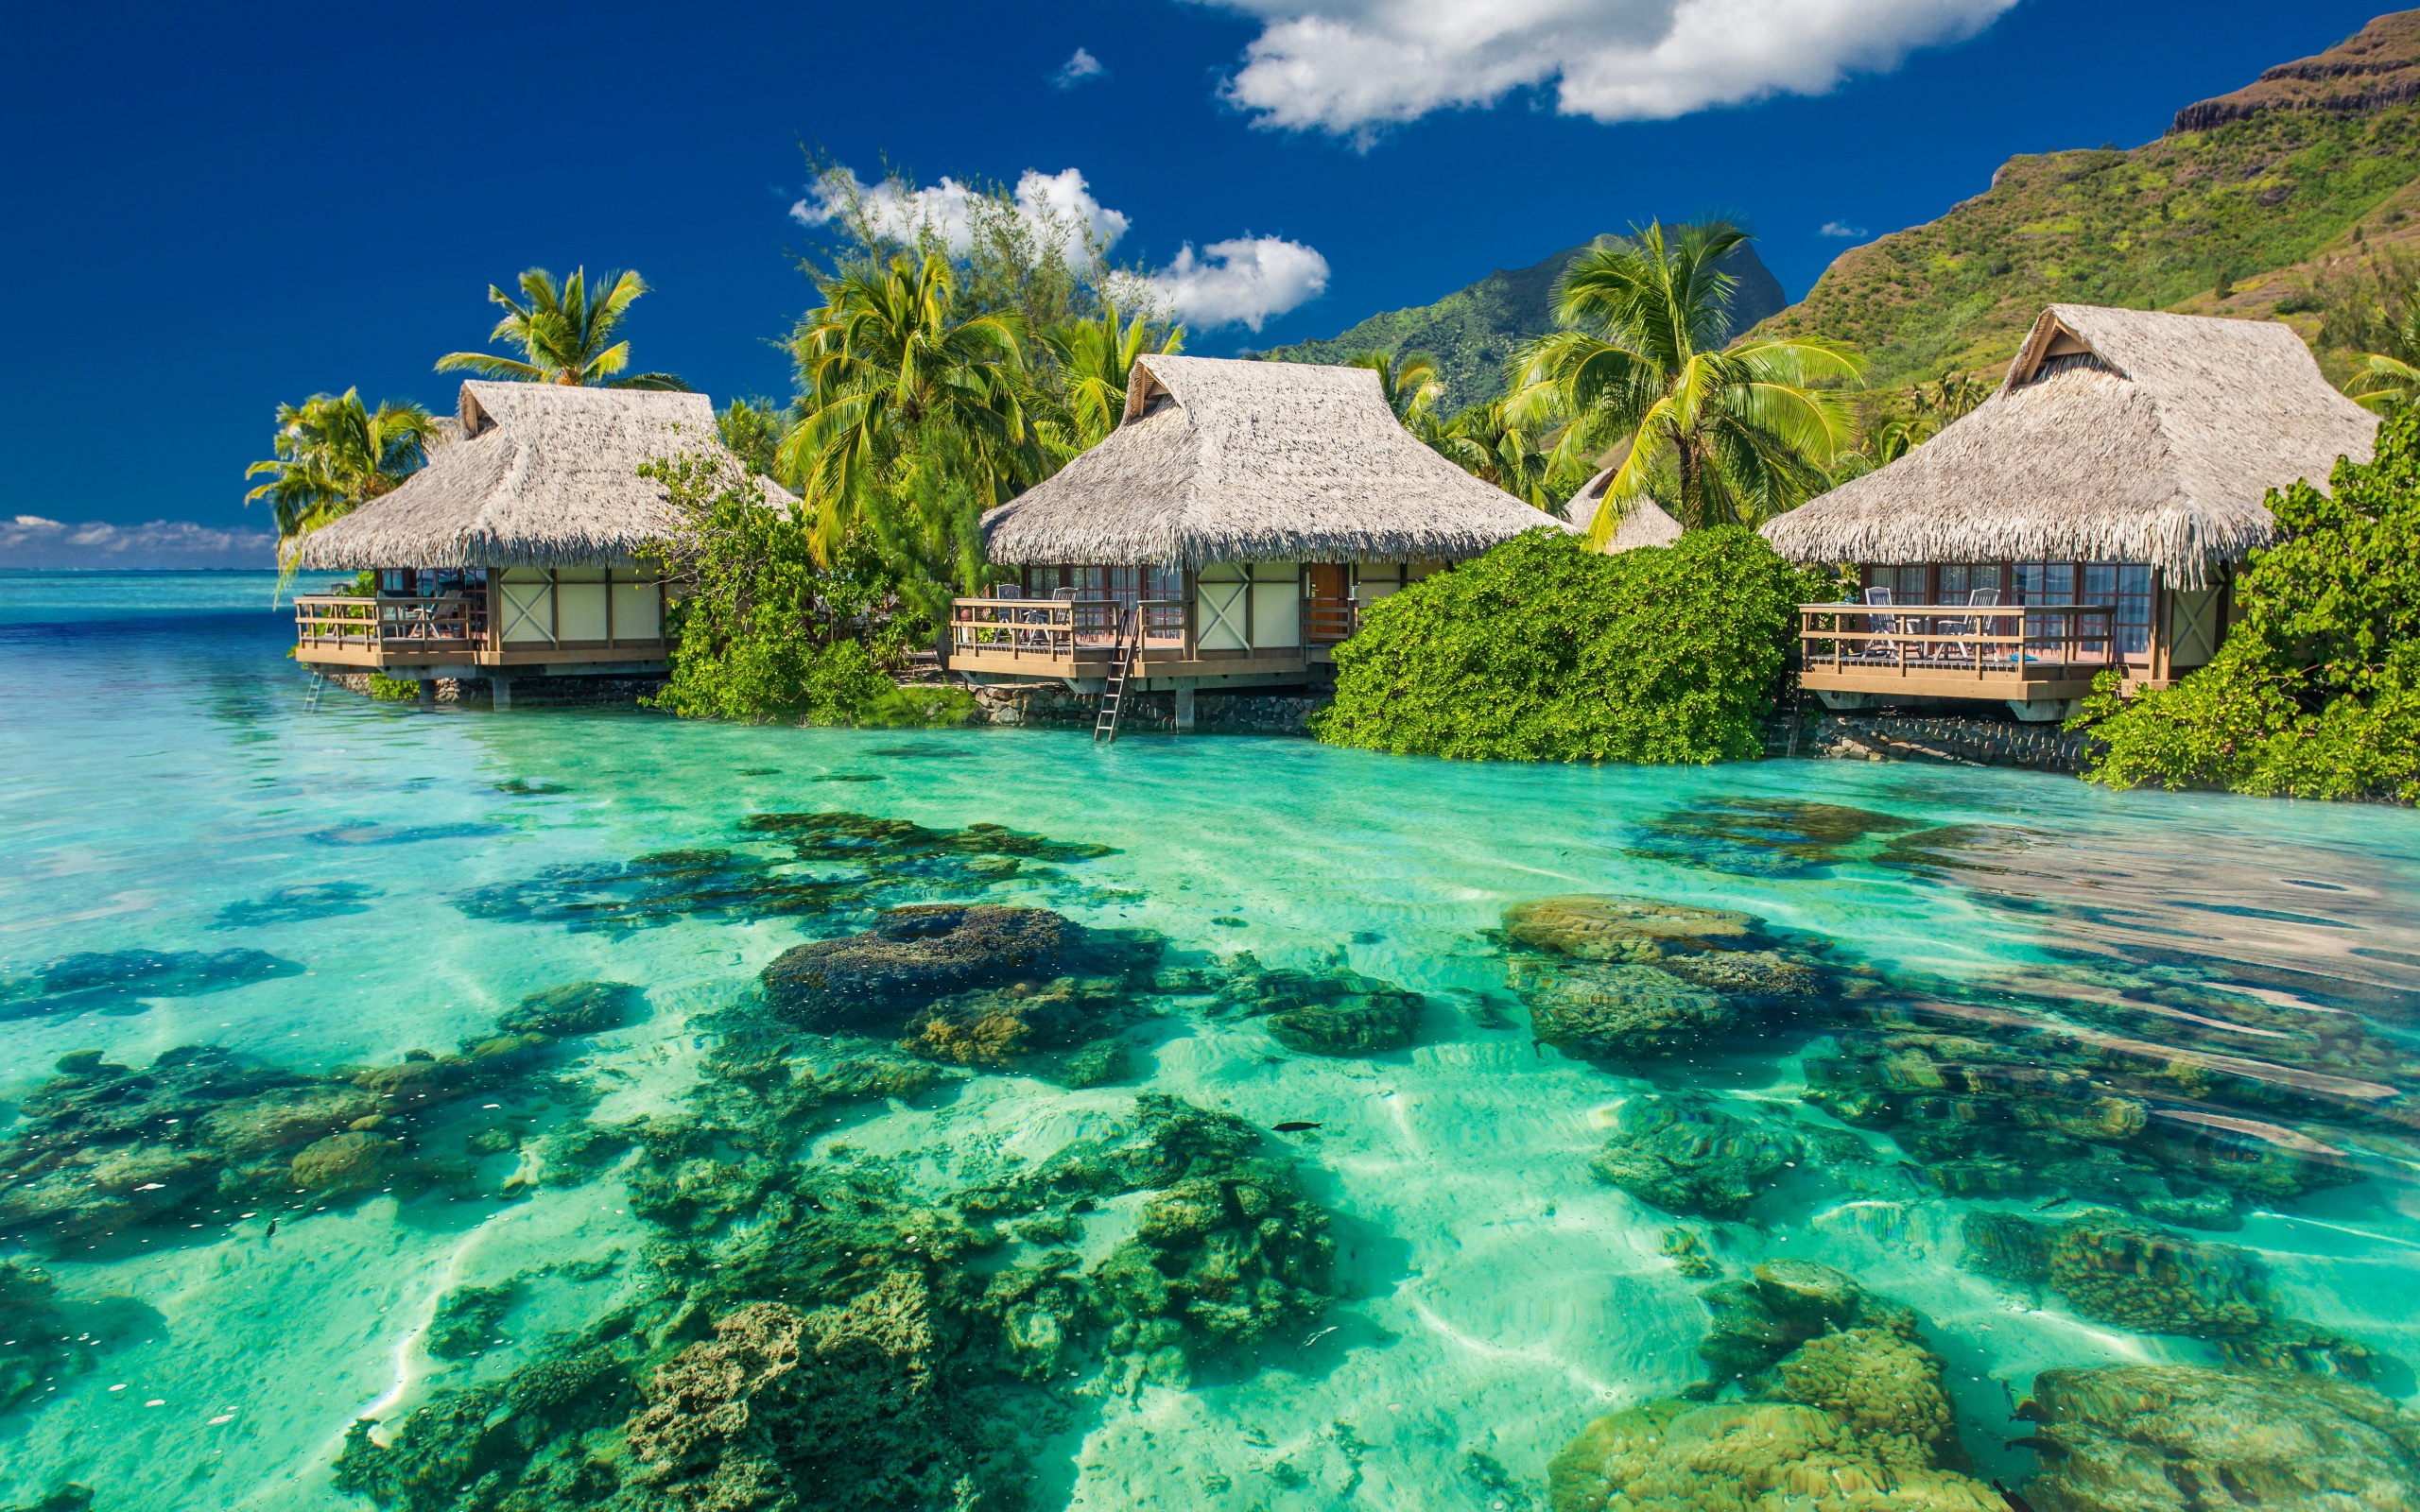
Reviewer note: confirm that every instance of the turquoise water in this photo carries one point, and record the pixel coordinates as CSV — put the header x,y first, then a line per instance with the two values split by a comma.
x,y
169,785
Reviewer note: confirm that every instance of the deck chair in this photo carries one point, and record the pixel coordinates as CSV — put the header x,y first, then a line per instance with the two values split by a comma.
x,y
1972,651
1888,624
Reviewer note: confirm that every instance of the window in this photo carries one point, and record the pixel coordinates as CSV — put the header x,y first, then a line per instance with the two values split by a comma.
x,y
2045,583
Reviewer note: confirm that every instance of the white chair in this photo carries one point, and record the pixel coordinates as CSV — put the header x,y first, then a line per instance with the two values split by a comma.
x,y
1889,625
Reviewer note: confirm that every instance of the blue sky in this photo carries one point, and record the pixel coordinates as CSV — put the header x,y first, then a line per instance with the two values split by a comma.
x,y
212,214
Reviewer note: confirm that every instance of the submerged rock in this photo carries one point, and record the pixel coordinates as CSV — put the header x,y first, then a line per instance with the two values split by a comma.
x,y
1762,837
2113,1271
1618,1012
1591,927
992,1027
576,1008
119,979
1846,1412
2181,1439
1684,1155
464,1326
1336,1012
912,958
296,904
36,1348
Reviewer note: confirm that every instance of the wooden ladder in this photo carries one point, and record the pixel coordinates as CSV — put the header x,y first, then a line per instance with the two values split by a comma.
x,y
1123,655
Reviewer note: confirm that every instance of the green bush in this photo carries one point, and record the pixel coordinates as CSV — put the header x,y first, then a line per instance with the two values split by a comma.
x,y
763,632
392,690
2316,693
1544,651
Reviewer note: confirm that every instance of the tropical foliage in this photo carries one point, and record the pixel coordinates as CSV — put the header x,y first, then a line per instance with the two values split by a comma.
x,y
1408,383
767,631
1717,435
565,336
333,456
1093,360
1544,651
1486,441
2316,692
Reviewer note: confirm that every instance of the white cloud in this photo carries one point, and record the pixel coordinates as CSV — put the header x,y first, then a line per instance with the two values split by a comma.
x,y
1245,282
1053,203
1352,67
32,541
1834,228
1076,70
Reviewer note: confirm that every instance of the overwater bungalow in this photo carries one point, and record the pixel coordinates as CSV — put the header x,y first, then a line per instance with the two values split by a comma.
x,y
2087,517
1645,523
1228,533
513,553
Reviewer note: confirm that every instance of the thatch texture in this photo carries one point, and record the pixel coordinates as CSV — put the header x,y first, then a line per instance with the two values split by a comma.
x,y
1223,460
2118,436
544,476
1647,524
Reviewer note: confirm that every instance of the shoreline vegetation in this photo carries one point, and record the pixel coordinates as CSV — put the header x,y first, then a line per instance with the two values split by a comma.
x,y
945,370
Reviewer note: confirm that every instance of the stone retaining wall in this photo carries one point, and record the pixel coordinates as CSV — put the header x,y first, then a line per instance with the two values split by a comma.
x,y
530,692
2044,747
1053,704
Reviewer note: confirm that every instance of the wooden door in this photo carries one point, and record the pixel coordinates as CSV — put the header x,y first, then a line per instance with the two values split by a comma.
x,y
1327,603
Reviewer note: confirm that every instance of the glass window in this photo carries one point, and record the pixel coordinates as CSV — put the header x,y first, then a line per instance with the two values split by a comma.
x,y
2046,582
1164,582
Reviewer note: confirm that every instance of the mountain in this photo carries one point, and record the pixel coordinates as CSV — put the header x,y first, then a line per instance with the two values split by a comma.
x,y
2268,179
1473,331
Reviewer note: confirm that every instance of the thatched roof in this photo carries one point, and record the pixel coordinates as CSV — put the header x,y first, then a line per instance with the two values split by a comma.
x,y
543,476
2118,436
1647,524
1225,460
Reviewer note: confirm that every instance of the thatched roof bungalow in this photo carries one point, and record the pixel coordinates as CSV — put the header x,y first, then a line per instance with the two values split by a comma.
x,y
1646,524
2109,485
517,545
1243,511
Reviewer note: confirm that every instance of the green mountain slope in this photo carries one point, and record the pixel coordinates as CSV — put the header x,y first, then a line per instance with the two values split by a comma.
x,y
2251,182
1473,331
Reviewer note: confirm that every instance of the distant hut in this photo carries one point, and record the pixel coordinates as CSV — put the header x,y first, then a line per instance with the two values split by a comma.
x,y
2108,488
515,551
1227,533
1645,525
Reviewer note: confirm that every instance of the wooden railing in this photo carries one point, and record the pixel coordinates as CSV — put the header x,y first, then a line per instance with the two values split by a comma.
x,y
388,624
2005,640
1329,621
1061,629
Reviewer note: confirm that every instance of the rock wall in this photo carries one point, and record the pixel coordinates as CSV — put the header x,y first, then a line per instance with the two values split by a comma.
x,y
1953,741
531,692
1242,713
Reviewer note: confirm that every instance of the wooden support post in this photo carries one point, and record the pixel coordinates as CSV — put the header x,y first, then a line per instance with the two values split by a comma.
x,y
1184,703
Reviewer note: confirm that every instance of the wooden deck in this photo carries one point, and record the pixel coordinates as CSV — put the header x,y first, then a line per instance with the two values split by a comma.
x,y
448,631
1076,640
2028,653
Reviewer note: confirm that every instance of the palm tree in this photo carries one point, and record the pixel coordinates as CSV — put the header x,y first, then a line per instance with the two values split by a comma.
x,y
333,456
1095,359
1741,434
885,357
2384,384
1409,381
1488,444
565,336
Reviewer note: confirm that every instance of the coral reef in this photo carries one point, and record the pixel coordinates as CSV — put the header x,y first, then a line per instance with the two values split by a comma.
x,y
2181,1438
298,904
1590,927
1780,1306
36,1348
117,980
576,1008
886,856
1762,837
1336,1012
1684,1155
1846,1412
912,958
464,1326
104,1148
2113,1270
1622,1012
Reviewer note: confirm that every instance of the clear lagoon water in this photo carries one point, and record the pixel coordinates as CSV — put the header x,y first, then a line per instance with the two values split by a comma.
x,y
2228,988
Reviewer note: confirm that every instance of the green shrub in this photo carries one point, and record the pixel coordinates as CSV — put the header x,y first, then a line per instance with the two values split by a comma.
x,y
1544,651
2316,693
393,690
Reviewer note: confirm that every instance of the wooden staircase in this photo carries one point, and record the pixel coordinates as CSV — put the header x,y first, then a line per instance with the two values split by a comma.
x,y
1125,655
